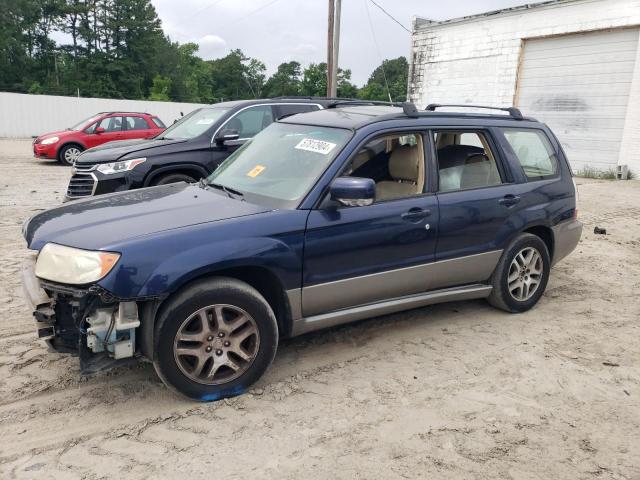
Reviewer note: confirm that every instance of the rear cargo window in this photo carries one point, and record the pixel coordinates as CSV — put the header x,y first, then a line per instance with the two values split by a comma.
x,y
534,152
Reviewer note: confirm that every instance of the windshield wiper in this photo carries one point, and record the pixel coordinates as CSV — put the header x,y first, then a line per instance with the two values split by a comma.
x,y
229,191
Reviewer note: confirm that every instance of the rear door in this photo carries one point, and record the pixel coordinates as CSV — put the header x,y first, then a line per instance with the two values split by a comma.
x,y
136,126
479,203
286,110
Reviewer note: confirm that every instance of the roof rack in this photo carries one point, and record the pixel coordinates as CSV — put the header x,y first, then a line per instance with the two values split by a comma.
x,y
513,111
341,102
123,111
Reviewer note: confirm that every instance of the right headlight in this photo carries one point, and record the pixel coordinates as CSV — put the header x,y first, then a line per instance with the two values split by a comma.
x,y
73,266
122,166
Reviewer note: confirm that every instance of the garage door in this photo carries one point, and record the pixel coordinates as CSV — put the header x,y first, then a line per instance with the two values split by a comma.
x,y
579,85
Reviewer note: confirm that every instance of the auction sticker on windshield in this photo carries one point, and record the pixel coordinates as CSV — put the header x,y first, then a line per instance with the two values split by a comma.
x,y
316,146
254,172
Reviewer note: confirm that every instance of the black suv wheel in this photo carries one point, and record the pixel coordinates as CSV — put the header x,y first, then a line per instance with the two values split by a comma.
x,y
522,274
214,339
173,178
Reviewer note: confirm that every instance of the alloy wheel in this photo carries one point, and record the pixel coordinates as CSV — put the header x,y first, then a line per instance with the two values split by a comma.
x,y
525,274
216,344
71,154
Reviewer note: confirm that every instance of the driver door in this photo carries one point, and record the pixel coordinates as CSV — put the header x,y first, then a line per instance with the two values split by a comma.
x,y
359,255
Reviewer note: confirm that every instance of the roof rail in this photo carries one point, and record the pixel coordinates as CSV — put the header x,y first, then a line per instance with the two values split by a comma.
x,y
123,111
310,97
410,110
513,111
341,102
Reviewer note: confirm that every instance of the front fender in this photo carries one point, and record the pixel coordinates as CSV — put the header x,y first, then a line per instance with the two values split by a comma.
x,y
174,272
157,265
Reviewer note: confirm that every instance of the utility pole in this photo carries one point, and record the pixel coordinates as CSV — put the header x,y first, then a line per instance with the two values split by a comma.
x,y
336,49
330,32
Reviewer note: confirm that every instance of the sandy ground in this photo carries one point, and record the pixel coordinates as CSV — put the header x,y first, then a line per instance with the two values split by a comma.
x,y
453,391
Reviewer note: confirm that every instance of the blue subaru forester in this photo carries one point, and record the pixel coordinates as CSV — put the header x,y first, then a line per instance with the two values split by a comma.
x,y
321,219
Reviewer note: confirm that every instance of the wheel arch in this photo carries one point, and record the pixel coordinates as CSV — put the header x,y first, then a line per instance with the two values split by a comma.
x,y
66,144
265,281
545,234
190,169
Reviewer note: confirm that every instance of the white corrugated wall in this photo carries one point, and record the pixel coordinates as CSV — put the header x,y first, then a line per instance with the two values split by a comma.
x,y
24,115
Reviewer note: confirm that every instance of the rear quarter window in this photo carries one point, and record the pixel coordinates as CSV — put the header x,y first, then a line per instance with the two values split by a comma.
x,y
534,152
158,122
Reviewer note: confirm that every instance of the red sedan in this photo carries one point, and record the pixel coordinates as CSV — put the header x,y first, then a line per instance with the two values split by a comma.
x,y
66,145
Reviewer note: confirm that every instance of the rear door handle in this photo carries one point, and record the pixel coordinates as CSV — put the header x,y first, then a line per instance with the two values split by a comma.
x,y
509,200
415,214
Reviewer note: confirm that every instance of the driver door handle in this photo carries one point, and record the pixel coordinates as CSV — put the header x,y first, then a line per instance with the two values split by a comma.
x,y
415,214
509,200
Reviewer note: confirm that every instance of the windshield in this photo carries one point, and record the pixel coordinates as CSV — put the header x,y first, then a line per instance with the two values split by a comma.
x,y
194,124
79,126
280,164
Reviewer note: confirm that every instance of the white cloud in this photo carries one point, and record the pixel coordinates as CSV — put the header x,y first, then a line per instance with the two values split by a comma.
x,y
212,46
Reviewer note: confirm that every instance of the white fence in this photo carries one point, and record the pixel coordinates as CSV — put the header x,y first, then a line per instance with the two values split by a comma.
x,y
24,115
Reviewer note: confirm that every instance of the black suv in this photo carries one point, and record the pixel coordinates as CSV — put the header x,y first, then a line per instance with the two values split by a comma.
x,y
187,151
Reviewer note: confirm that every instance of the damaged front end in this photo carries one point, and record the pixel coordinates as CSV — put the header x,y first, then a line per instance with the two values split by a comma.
x,y
88,322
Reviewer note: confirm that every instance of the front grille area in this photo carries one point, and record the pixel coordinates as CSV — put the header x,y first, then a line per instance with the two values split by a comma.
x,y
81,184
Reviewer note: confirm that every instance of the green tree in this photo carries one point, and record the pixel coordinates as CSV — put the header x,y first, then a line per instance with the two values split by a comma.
x,y
286,81
160,89
396,72
314,81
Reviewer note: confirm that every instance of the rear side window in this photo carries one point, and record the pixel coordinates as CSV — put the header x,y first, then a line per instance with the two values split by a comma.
x,y
286,110
534,152
158,122
136,123
465,161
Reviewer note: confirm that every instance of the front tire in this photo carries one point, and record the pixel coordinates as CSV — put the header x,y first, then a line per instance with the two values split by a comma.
x,y
214,339
68,154
522,274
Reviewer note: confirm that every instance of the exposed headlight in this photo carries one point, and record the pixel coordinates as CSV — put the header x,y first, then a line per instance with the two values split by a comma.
x,y
123,166
49,141
73,266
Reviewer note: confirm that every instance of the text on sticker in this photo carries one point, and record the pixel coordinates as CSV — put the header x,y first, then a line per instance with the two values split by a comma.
x,y
316,146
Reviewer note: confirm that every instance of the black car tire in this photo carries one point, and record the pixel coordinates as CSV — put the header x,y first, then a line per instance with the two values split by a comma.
x,y
62,154
202,294
501,296
173,178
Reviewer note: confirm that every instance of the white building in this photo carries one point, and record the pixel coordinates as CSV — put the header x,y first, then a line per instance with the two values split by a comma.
x,y
573,64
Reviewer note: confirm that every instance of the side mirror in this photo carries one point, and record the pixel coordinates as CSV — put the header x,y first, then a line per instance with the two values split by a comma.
x,y
225,135
353,191
99,130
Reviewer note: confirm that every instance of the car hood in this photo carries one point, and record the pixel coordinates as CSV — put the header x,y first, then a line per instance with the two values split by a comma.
x,y
111,151
59,134
98,222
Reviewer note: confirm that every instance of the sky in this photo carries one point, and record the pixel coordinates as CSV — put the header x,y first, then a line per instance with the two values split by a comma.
x,y
277,31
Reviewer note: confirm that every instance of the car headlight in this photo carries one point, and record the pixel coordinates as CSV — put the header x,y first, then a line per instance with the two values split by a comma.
x,y
72,265
123,166
49,141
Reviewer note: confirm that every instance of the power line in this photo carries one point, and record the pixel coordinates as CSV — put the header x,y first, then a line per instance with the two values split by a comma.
x,y
206,7
390,16
252,12
375,41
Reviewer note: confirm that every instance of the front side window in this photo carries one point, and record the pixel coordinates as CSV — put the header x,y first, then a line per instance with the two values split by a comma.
x,y
136,123
534,152
80,125
251,121
194,124
465,161
280,164
395,162
111,124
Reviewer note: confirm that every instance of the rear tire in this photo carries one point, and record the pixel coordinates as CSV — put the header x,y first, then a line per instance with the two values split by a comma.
x,y
69,153
173,178
521,275
214,339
